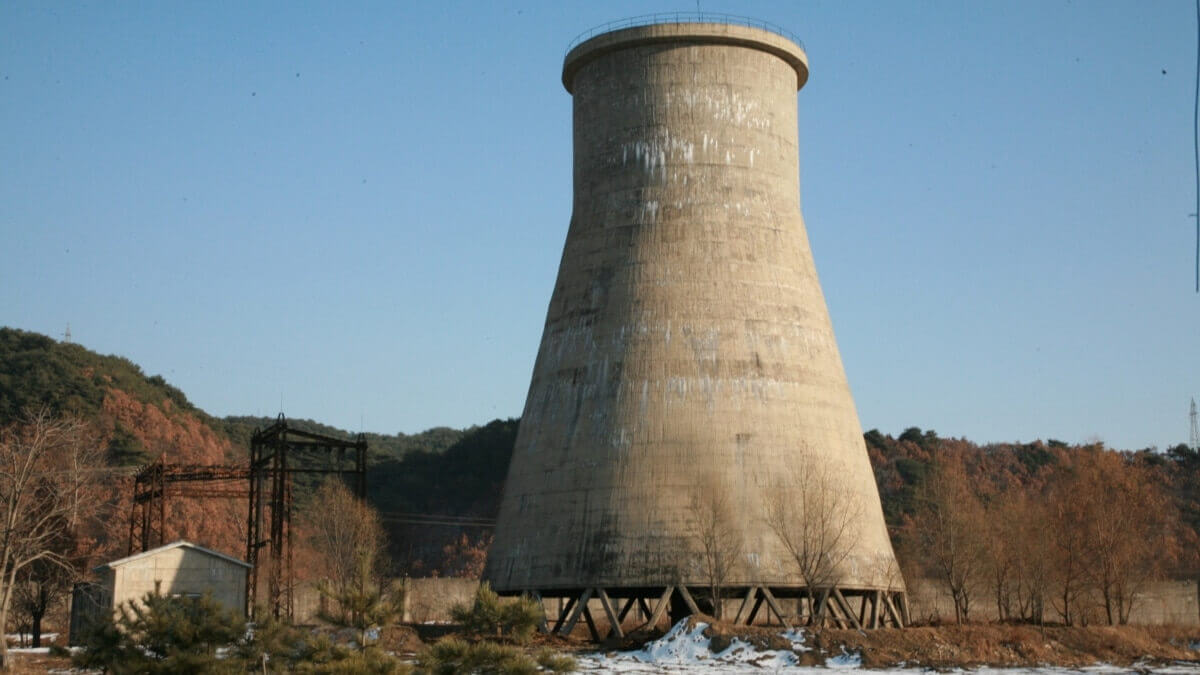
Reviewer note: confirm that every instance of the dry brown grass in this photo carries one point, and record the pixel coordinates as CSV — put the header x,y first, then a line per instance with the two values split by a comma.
x,y
31,664
1013,645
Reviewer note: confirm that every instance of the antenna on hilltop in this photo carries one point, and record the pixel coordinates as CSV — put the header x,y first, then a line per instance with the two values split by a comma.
x,y
67,334
1194,440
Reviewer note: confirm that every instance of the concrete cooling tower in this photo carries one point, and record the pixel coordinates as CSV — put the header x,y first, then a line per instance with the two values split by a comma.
x,y
689,438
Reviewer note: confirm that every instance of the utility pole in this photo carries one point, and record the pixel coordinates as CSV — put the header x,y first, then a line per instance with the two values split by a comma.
x,y
1194,439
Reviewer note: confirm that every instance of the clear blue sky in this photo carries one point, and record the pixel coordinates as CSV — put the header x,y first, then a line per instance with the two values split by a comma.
x,y
360,207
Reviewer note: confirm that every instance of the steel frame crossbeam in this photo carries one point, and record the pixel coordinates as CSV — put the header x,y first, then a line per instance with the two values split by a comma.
x,y
158,481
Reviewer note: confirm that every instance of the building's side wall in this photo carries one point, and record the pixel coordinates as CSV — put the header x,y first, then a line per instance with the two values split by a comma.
x,y
110,580
90,602
182,571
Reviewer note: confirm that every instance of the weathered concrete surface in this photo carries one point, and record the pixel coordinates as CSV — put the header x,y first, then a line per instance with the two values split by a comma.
x,y
687,347
431,599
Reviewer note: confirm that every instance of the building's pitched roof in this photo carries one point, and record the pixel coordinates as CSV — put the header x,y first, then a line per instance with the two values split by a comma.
x,y
167,547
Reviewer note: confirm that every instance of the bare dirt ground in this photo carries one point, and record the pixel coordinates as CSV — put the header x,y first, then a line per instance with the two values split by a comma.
x,y
999,645
29,664
935,647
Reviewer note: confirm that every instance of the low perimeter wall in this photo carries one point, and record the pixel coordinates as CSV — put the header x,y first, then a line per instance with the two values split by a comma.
x,y
425,600
1165,602
430,600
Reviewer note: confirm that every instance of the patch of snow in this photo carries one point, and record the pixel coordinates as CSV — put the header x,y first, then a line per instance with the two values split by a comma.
x,y
679,646
28,650
686,650
796,637
744,652
616,663
1140,667
845,660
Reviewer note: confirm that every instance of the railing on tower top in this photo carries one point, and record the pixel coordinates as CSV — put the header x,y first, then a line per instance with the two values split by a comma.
x,y
682,17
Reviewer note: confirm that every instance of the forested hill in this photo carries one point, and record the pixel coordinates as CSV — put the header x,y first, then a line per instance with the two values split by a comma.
x,y
449,472
382,446
127,405
903,464
137,418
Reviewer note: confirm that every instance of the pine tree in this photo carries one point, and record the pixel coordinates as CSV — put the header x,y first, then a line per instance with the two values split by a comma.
x,y
163,634
365,604
487,616
196,635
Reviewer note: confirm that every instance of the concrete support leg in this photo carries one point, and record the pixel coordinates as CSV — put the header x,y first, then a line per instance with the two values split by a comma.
x,y
661,607
614,622
579,610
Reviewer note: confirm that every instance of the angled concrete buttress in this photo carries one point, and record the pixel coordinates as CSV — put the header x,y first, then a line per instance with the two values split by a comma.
x,y
687,352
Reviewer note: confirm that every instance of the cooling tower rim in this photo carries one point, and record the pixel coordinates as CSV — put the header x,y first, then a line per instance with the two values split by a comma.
x,y
682,17
752,36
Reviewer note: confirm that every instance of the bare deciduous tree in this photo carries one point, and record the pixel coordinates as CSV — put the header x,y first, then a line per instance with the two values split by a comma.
x,y
948,525
1078,531
1002,541
40,586
465,557
343,532
1034,564
816,519
1126,519
1069,550
716,537
44,464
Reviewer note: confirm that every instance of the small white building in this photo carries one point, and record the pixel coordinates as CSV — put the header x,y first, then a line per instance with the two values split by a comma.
x,y
180,568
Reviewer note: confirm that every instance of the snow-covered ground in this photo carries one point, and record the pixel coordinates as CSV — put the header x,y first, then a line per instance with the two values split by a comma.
x,y
16,639
687,650
28,650
29,636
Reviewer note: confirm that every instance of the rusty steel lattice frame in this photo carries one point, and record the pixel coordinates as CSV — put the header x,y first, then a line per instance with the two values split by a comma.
x,y
277,453
158,481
